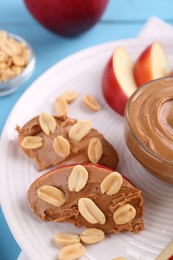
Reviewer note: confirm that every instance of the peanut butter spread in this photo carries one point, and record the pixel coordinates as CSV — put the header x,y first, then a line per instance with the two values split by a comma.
x,y
151,117
122,210
73,151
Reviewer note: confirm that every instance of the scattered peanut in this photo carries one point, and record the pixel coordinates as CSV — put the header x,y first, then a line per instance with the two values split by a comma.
x,y
72,252
69,96
92,235
61,106
91,103
65,239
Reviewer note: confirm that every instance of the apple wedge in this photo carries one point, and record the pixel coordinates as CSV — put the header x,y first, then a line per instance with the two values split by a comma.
x,y
118,82
171,73
167,252
151,64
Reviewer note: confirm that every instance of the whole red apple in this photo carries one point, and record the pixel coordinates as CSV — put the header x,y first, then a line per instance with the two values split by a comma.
x,y
67,17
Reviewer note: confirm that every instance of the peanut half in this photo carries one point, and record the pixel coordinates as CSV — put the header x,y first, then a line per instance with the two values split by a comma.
x,y
3,56
7,74
79,130
91,103
51,195
8,48
124,214
92,235
89,210
18,61
112,183
72,252
32,142
3,36
95,150
61,146
3,66
69,96
65,239
61,106
47,123
78,178
17,70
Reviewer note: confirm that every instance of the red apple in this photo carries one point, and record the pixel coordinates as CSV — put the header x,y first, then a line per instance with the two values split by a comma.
x,y
67,17
151,64
118,83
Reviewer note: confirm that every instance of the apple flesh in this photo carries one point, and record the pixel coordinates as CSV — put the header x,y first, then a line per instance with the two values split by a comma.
x,y
167,252
118,83
67,17
150,65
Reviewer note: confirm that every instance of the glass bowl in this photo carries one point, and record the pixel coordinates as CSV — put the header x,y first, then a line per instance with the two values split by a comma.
x,y
16,82
149,127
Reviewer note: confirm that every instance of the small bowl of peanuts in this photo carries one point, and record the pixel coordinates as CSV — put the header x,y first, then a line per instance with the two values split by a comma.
x,y
17,62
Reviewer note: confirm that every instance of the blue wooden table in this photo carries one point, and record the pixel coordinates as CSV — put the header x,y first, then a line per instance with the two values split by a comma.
x,y
122,19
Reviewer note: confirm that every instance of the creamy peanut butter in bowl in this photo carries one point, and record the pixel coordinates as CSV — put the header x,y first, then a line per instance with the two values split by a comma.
x,y
149,127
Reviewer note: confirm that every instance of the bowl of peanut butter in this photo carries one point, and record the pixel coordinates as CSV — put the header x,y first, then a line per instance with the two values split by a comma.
x,y
149,127
17,62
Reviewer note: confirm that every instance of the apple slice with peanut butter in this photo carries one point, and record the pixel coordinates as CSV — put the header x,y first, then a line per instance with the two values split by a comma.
x,y
58,140
88,195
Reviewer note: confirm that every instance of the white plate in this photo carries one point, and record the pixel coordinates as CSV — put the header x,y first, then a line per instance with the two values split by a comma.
x,y
81,72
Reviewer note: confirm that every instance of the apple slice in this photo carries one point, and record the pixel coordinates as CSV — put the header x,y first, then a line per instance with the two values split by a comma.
x,y
118,83
171,73
87,195
151,64
167,252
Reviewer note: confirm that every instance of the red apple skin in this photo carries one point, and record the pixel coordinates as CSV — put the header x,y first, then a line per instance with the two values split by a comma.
x,y
67,17
112,90
142,68
88,164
